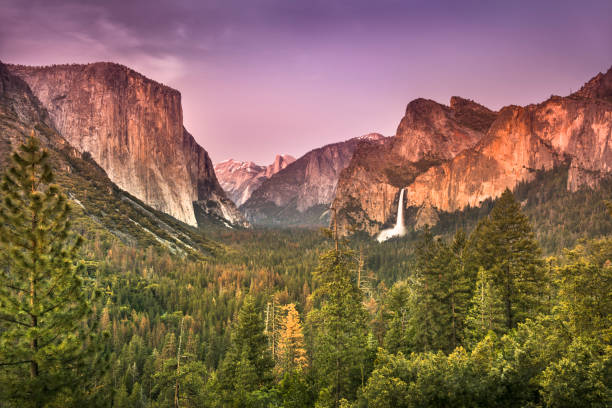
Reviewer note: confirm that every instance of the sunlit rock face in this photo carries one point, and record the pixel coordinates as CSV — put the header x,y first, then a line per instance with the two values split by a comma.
x,y
445,167
308,182
133,128
241,179
428,134
575,130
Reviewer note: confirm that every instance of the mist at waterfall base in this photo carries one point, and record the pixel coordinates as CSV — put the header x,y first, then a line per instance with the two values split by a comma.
x,y
399,230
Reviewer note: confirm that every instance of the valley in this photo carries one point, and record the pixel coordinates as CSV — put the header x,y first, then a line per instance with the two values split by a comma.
x,y
470,250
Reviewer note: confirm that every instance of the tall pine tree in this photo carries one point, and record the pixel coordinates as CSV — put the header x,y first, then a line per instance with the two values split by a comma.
x,y
46,346
338,324
248,364
504,246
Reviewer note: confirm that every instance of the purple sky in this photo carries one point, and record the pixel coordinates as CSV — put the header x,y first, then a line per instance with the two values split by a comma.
x,y
260,77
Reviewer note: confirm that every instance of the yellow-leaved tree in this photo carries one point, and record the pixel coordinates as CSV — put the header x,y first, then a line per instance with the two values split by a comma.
x,y
291,348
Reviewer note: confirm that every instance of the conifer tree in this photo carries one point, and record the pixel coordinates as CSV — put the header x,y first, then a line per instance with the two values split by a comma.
x,y
291,347
248,364
398,336
46,346
504,246
460,288
486,311
440,294
338,324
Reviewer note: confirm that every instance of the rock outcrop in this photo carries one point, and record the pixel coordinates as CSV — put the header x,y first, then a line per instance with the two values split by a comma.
x,y
241,179
516,142
133,128
99,206
428,134
302,192
574,130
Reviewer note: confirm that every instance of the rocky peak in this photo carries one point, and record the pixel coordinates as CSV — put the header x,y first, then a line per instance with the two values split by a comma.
x,y
133,128
518,141
240,179
431,131
472,114
280,162
305,188
599,86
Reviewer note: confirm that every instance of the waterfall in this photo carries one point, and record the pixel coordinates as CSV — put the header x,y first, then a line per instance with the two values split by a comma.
x,y
399,230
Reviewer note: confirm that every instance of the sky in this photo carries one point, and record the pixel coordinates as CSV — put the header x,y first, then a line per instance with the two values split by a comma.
x,y
266,77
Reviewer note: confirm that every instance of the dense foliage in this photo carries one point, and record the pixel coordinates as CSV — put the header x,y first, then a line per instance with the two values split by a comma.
x,y
284,318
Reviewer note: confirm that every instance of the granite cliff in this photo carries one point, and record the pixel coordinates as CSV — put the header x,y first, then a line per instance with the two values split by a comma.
x,y
240,179
428,134
447,168
99,206
133,128
301,193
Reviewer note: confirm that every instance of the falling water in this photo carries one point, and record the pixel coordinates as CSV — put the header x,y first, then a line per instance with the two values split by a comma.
x,y
399,230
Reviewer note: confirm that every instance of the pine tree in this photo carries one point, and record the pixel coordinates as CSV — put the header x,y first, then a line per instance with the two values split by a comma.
x,y
248,357
460,288
436,306
486,312
504,246
398,336
338,324
46,345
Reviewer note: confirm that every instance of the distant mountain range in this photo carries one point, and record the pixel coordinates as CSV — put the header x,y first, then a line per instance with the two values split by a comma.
x,y
240,179
448,158
119,126
301,193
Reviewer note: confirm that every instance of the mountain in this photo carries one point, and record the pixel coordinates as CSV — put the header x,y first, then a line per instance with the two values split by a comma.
x,y
456,172
240,179
133,128
428,134
301,193
100,207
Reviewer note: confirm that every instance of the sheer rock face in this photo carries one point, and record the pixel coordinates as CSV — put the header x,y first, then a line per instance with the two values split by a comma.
x,y
308,182
514,143
428,134
431,131
241,179
133,128
575,130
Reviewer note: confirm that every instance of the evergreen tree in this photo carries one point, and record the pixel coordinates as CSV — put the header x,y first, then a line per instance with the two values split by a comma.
x,y
441,291
486,312
338,325
121,399
248,364
427,312
460,289
180,379
398,336
46,345
505,247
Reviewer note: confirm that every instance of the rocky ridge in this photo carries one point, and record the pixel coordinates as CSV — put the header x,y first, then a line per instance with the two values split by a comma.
x,y
99,206
515,143
428,134
133,128
241,179
306,187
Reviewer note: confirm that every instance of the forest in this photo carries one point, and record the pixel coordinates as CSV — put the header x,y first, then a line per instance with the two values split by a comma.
x,y
504,305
